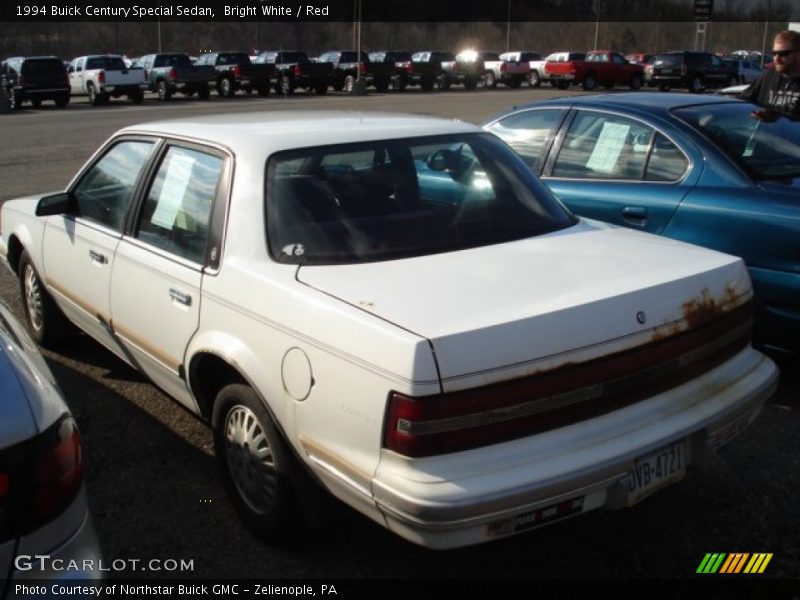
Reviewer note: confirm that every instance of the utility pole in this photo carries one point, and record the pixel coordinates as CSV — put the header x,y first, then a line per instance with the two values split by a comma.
x,y
508,28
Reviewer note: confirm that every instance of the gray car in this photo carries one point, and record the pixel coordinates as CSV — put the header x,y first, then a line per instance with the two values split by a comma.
x,y
46,532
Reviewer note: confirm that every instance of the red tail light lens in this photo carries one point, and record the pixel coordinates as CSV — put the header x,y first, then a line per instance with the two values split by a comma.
x,y
5,482
101,77
59,473
503,68
496,413
237,72
173,74
298,70
409,68
362,68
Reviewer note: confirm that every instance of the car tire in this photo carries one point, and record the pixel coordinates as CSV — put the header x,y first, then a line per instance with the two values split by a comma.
x,y
226,88
490,80
13,101
636,82
94,97
255,463
285,86
349,84
164,93
589,82
45,322
696,85
534,80
443,82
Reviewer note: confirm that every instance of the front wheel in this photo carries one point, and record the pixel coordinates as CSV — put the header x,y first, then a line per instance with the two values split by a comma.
x,y
636,82
43,318
696,85
164,92
255,462
589,83
226,88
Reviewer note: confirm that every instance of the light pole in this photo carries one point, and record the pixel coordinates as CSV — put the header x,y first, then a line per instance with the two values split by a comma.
x,y
508,28
597,26
159,36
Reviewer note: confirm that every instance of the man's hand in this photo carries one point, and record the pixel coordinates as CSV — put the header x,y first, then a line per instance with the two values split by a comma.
x,y
766,114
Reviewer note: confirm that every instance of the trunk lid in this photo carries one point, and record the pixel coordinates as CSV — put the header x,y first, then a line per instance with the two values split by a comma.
x,y
514,309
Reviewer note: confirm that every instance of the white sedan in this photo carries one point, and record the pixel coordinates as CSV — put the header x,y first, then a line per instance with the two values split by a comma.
x,y
397,307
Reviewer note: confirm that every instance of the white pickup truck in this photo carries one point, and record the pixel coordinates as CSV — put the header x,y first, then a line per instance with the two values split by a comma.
x,y
104,76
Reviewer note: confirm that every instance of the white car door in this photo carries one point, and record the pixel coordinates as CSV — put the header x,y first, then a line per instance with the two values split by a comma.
x,y
76,76
78,248
158,268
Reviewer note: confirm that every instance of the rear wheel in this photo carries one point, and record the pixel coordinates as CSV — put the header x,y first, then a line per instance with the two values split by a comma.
x,y
589,82
696,85
255,462
163,90
443,82
491,80
349,84
45,322
285,85
636,82
13,102
534,80
226,88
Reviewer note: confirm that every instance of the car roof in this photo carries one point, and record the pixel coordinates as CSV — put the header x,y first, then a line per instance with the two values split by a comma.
x,y
644,101
262,133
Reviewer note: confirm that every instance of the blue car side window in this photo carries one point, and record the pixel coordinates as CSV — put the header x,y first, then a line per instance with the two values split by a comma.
x,y
666,163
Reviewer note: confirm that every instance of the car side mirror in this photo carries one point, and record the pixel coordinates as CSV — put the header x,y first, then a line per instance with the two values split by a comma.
x,y
56,204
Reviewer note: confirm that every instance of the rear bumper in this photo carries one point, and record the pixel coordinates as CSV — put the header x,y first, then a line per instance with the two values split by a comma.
x,y
474,496
76,558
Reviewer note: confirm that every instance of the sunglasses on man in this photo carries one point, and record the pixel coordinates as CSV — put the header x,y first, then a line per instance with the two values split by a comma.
x,y
784,53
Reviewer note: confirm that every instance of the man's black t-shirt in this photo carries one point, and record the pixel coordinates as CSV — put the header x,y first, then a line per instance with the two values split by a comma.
x,y
776,92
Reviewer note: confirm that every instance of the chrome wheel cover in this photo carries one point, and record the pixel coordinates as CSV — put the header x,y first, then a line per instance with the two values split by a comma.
x,y
33,298
249,459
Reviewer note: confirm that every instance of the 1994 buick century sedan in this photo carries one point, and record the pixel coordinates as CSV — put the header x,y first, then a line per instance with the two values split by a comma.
x,y
396,306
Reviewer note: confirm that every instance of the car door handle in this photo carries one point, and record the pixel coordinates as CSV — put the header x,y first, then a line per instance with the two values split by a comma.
x,y
635,215
180,297
97,257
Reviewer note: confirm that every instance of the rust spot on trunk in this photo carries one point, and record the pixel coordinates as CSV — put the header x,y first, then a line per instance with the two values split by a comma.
x,y
706,308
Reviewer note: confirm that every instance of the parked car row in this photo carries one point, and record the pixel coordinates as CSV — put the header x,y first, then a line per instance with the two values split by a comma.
x,y
398,309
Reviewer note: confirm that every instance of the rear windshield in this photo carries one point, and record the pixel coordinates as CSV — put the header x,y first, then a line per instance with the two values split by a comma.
x,y
43,66
348,57
173,60
233,58
390,199
293,57
669,59
576,56
766,150
110,63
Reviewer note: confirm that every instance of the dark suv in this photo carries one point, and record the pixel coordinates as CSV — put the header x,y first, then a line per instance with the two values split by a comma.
x,y
34,78
693,70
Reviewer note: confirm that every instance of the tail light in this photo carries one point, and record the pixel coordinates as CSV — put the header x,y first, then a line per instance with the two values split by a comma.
x,y
683,69
362,68
456,421
456,68
409,68
172,75
298,70
58,474
40,478
236,72
504,67
101,77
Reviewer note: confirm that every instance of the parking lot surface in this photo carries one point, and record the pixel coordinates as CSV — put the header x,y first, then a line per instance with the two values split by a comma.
x,y
155,492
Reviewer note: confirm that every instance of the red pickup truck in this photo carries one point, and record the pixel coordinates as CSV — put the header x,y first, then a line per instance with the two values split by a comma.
x,y
601,67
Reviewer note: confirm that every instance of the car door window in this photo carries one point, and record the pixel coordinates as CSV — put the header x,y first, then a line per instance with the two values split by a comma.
x,y
104,192
178,207
530,133
603,146
667,162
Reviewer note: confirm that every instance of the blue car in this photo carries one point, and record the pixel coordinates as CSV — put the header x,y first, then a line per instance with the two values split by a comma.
x,y
697,169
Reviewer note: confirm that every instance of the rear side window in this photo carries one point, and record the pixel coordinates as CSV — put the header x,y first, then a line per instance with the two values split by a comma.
x,y
530,134
668,59
104,193
603,146
178,207
112,63
666,162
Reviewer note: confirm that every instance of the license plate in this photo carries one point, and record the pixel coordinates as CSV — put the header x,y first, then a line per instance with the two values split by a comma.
x,y
655,471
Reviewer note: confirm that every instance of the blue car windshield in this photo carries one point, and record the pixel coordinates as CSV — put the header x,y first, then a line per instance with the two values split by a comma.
x,y
765,149
389,199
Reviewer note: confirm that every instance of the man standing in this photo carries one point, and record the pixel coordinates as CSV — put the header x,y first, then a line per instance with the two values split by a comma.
x,y
778,89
